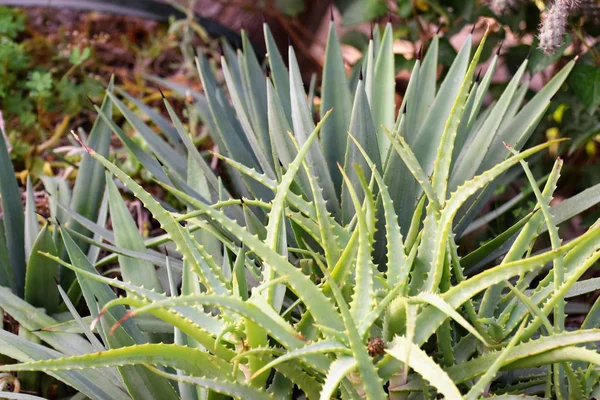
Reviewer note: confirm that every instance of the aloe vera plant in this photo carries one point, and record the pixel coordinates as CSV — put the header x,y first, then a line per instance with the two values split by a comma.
x,y
337,274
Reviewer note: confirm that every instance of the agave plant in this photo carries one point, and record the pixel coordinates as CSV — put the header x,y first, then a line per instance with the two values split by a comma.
x,y
353,285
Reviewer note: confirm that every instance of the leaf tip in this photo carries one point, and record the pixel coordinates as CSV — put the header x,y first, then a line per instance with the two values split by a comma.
x,y
85,146
478,76
161,92
499,47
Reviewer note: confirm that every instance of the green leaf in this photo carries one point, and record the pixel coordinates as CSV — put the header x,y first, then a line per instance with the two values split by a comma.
x,y
425,90
339,369
303,125
6,275
33,320
95,384
13,220
520,353
383,105
90,177
140,383
443,160
371,382
363,131
127,235
335,95
279,73
234,389
521,127
363,295
191,360
31,225
475,152
42,274
418,360
276,225
250,121
458,294
165,153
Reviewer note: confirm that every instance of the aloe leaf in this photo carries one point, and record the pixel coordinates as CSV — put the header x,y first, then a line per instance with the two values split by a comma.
x,y
279,72
276,226
298,282
34,320
371,382
31,225
90,178
6,275
195,254
195,323
409,107
435,254
230,388
284,149
562,354
558,267
418,360
441,165
519,130
465,290
521,352
303,125
411,162
439,303
475,115
428,139
468,165
383,105
135,270
368,67
322,347
227,132
363,131
575,205
425,90
40,286
397,268
253,80
13,221
276,326
147,160
519,246
363,291
488,248
85,329
559,293
138,381
335,94
18,396
339,369
165,153
244,110
92,383
149,256
193,361
161,122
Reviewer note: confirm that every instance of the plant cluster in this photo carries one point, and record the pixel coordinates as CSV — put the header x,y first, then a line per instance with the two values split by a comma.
x,y
327,265
38,80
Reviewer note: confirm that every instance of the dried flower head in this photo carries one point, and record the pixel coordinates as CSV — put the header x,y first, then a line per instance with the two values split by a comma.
x,y
553,26
376,346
